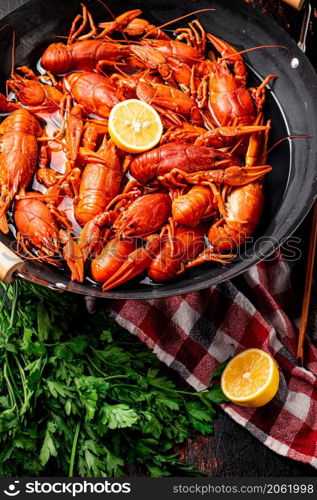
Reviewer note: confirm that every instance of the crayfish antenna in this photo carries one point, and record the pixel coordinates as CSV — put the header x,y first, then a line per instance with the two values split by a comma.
x,y
251,49
277,143
13,53
178,19
12,47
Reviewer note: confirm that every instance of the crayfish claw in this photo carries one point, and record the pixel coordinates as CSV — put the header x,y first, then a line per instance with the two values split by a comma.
x,y
73,256
91,237
136,263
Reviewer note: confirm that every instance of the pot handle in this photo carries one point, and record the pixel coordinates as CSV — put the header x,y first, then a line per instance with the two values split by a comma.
x,y
9,264
297,4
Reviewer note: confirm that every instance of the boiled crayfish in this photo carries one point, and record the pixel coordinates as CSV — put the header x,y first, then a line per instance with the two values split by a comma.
x,y
18,157
193,198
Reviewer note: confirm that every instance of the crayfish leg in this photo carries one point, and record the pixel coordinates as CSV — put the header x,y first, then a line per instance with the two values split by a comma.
x,y
74,132
4,228
209,255
86,18
120,22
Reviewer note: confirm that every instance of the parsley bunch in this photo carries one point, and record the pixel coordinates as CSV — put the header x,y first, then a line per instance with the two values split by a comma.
x,y
79,396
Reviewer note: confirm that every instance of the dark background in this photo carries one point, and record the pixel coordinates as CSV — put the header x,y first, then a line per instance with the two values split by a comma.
x,y
232,451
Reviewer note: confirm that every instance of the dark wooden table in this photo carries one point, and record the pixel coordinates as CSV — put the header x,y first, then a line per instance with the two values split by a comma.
x,y
233,451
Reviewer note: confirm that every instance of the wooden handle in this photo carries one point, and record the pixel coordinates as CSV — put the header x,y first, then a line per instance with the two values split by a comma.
x,y
9,263
308,286
297,4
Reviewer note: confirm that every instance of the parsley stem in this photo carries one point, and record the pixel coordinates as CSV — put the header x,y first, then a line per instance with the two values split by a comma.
x,y
23,380
197,393
106,377
110,377
95,366
206,403
4,297
15,288
10,375
73,452
10,390
131,386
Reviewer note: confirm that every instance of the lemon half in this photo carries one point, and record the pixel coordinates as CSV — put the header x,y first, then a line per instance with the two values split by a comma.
x,y
251,378
135,126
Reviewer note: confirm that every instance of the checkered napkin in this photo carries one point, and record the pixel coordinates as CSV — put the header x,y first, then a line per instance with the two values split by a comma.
x,y
194,333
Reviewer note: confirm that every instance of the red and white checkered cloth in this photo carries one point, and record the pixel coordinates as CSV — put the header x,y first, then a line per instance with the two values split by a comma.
x,y
194,333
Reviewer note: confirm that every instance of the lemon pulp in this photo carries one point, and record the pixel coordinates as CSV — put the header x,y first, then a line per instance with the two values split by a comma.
x,y
135,126
251,378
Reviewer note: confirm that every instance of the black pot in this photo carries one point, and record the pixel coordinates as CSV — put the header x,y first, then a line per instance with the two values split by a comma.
x,y
290,188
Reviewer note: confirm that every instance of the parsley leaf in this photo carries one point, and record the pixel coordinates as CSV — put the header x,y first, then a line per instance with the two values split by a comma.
x,y
80,396
48,448
117,416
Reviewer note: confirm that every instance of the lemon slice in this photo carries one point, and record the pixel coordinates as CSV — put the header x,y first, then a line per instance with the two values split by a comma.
x,y
251,378
134,126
